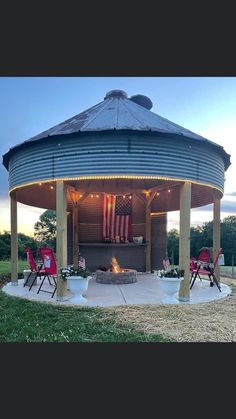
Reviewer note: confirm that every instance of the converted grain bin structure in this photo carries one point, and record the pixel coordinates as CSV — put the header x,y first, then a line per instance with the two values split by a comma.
x,y
117,148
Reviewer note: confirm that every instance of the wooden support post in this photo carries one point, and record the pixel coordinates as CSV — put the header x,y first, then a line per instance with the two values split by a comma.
x,y
148,239
149,232
61,237
14,242
75,224
216,233
184,239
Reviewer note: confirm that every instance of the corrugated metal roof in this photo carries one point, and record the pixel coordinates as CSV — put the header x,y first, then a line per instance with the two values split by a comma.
x,y
120,113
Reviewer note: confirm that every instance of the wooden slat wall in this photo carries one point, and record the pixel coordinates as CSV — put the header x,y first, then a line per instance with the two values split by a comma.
x,y
138,218
159,240
130,258
90,220
90,231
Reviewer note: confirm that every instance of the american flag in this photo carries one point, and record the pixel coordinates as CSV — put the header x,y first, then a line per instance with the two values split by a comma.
x,y
116,215
82,263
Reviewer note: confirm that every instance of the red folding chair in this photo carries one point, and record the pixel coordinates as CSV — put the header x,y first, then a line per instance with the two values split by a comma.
x,y
209,271
50,268
192,264
203,256
34,268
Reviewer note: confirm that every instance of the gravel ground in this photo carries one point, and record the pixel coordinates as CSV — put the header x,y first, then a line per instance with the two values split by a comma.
x,y
205,322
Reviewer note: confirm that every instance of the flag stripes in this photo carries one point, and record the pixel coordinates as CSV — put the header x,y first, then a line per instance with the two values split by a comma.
x,y
116,217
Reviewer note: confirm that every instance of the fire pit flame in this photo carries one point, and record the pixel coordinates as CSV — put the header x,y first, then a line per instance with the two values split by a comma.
x,y
116,275
115,266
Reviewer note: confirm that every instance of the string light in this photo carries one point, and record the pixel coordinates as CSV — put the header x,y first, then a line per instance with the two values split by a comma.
x,y
91,196
51,187
80,196
130,197
81,178
124,196
97,196
40,184
168,190
158,194
157,214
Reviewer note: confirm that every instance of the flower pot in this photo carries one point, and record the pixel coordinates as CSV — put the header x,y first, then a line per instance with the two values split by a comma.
x,y
170,286
78,285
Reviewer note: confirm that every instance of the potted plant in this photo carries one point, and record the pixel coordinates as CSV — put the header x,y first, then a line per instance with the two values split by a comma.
x,y
169,283
78,279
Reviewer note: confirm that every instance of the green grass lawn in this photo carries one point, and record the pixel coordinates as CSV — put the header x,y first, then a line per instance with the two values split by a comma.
x,y
5,266
26,321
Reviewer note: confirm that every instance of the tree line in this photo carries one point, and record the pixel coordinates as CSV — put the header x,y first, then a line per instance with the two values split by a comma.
x,y
44,235
201,236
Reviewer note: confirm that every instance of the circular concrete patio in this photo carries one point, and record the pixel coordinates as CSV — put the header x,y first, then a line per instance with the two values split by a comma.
x,y
145,291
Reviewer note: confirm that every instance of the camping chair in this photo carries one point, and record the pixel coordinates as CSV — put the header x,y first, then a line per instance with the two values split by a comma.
x,y
206,268
34,268
192,264
50,268
203,256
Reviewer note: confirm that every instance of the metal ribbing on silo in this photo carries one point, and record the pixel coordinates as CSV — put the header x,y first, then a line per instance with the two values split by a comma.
x,y
116,153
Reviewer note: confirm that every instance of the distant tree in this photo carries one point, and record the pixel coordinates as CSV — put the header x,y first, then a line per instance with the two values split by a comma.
x,y
207,234
228,238
173,245
197,240
45,229
5,245
23,240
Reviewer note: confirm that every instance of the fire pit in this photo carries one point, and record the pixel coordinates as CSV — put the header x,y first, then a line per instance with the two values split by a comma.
x,y
116,275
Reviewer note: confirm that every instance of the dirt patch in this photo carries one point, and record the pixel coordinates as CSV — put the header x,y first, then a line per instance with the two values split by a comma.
x,y
205,322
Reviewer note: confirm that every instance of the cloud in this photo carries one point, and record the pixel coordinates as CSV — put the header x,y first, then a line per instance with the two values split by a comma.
x,y
231,194
228,205
27,217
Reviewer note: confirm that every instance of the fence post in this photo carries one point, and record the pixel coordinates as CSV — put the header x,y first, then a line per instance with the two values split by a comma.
x,y
232,265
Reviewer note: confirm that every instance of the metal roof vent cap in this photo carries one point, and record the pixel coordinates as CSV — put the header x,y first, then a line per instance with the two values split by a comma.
x,y
142,100
116,93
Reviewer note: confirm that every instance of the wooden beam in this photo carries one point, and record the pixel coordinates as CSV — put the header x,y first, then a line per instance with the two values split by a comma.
x,y
216,232
75,227
150,199
14,242
61,237
164,187
141,198
83,198
184,239
73,194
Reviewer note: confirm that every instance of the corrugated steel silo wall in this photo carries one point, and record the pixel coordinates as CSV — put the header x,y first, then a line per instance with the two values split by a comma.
x,y
114,153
